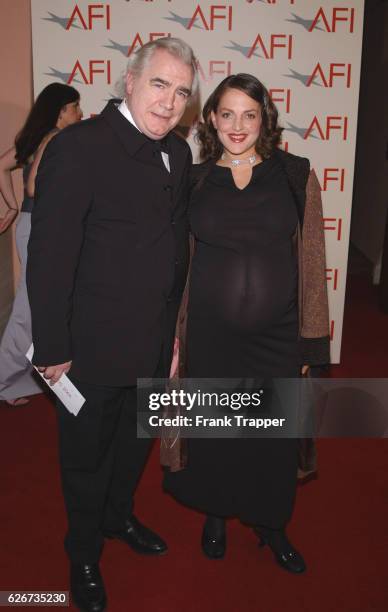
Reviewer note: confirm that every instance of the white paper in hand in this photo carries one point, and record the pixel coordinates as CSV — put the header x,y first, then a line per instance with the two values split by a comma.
x,y
69,395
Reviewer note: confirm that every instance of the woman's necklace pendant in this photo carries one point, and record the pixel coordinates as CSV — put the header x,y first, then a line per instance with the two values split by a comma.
x,y
239,162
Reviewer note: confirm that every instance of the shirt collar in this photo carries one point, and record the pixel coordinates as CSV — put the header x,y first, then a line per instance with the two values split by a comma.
x,y
124,110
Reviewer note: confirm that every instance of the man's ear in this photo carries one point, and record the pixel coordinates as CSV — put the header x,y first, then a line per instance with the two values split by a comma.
x,y
129,83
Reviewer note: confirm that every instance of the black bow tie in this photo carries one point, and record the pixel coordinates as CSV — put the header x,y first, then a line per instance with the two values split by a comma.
x,y
161,146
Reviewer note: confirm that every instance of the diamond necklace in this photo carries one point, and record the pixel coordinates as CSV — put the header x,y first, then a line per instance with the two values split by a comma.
x,y
238,162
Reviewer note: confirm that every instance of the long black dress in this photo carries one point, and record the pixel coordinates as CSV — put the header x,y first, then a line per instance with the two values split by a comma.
x,y
242,322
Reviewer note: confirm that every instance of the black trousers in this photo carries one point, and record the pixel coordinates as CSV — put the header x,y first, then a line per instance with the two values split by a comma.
x,y
101,461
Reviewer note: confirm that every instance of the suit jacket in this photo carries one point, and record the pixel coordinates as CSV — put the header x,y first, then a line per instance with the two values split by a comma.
x,y
108,253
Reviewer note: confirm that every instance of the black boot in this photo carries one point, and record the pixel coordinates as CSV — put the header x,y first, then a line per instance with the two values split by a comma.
x,y
87,587
214,537
285,554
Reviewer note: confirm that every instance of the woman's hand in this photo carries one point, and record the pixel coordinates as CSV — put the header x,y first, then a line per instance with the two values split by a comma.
x,y
8,219
305,370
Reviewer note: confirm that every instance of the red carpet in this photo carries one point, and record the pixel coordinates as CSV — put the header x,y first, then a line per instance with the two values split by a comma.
x,y
340,520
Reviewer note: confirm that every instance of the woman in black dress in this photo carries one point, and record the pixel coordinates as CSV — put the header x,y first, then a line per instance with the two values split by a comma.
x,y
242,312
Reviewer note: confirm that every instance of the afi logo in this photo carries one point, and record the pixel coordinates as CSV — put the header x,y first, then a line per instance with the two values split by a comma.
x,y
274,41
333,224
332,277
331,20
138,41
334,71
216,12
281,96
93,12
333,175
214,67
332,123
88,74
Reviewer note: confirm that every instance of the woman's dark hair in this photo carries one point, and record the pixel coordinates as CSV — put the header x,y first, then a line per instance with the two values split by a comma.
x,y
42,118
270,133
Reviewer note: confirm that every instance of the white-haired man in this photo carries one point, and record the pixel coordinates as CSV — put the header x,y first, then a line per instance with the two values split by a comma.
x,y
107,265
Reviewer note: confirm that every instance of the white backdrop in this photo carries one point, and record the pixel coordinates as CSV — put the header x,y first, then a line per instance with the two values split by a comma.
x,y
307,53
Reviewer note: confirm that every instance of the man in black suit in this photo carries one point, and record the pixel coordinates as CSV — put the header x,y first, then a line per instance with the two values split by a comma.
x,y
108,258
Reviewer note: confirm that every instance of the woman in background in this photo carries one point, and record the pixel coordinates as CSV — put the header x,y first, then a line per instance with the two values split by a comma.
x,y
253,209
56,107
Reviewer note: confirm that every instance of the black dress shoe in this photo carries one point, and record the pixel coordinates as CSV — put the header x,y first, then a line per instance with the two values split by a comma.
x,y
285,554
141,539
87,588
214,538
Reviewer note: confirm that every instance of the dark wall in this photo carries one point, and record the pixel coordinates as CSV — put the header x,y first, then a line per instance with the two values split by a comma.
x,y
370,196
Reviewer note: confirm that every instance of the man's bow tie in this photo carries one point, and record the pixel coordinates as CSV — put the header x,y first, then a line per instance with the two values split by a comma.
x,y
161,146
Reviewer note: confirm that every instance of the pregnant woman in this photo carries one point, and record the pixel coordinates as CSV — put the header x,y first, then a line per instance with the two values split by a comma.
x,y
253,207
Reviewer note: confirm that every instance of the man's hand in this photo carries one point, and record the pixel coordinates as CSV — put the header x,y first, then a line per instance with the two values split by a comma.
x,y
305,369
54,373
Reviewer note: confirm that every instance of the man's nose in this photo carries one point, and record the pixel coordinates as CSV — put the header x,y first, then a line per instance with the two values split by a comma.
x,y
168,100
